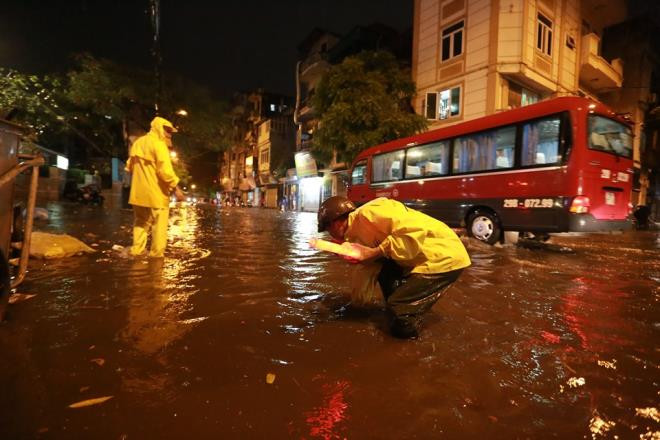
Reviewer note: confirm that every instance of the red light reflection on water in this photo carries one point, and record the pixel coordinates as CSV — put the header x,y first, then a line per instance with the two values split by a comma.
x,y
593,312
324,420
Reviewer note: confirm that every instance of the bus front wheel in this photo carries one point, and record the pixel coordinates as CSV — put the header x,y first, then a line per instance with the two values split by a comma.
x,y
484,226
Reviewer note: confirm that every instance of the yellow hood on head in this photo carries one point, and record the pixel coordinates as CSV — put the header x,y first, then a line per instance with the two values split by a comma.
x,y
157,127
144,147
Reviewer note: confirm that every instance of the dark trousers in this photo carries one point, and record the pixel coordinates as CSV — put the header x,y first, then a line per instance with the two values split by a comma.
x,y
410,296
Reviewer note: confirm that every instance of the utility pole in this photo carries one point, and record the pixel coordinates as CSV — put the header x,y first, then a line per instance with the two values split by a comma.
x,y
154,12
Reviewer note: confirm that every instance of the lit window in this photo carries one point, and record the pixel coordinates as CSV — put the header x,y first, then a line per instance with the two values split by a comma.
x,y
264,158
544,34
487,150
452,41
540,142
450,102
427,160
387,166
444,104
520,96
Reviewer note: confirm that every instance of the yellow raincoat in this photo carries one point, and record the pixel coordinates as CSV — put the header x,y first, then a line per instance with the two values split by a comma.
x,y
149,162
414,240
153,179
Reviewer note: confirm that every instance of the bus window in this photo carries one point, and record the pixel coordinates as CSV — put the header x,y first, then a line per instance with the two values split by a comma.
x,y
610,136
483,151
540,142
359,174
427,160
387,166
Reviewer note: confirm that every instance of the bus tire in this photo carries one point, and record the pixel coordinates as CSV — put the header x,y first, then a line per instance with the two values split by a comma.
x,y
5,285
484,226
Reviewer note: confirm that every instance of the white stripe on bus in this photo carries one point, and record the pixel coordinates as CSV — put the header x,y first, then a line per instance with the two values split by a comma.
x,y
463,176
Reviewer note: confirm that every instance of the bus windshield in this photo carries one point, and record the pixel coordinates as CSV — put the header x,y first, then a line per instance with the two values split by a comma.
x,y
610,136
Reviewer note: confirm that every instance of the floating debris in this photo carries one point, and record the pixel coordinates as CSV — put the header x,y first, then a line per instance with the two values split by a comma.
x,y
607,364
20,297
598,426
649,413
575,382
193,320
98,361
90,402
270,378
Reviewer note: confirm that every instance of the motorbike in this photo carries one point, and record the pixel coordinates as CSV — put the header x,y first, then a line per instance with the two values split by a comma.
x,y
89,194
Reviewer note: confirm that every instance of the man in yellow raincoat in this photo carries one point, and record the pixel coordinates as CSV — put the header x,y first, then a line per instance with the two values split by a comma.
x,y
153,180
421,256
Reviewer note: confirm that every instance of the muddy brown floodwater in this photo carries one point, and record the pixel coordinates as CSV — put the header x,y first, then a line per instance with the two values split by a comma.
x,y
242,331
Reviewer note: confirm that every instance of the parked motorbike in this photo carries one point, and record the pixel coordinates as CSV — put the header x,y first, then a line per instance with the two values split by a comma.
x,y
89,194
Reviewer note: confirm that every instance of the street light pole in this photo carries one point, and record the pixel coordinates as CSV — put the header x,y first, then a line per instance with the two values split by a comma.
x,y
154,12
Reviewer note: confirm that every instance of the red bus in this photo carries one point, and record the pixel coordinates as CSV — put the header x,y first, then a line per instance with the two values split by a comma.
x,y
559,165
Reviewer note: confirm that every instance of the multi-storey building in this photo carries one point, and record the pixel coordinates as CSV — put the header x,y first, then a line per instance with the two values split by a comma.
x,y
477,57
263,139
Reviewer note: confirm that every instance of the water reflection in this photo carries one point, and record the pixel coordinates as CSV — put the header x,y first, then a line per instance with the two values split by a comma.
x,y
324,421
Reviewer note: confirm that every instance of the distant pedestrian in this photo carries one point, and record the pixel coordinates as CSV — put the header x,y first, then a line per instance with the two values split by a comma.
x,y
153,180
420,256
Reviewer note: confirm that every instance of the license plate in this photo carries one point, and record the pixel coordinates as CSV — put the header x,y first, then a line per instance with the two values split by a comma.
x,y
609,198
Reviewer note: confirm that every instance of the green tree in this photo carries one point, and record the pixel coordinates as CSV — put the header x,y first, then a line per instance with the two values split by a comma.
x,y
363,101
31,101
112,99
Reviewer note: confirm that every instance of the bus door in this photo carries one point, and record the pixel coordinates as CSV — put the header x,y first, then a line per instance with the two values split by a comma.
x,y
358,190
608,170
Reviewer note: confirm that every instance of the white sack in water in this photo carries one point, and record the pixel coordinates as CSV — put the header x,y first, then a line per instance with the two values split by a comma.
x,y
44,245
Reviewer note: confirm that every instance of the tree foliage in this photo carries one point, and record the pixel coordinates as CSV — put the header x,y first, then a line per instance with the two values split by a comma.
x,y
103,103
31,101
363,101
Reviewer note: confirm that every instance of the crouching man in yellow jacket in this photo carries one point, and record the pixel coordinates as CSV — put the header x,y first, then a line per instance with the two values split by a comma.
x,y
421,256
153,180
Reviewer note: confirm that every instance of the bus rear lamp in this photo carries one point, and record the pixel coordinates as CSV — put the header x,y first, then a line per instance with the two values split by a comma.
x,y
580,205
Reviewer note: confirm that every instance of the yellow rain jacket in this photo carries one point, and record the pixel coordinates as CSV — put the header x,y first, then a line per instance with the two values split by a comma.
x,y
149,162
412,239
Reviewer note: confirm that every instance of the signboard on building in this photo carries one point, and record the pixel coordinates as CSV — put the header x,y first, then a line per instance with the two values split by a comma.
x,y
305,165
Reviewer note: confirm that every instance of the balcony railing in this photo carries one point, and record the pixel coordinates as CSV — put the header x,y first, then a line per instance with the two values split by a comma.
x,y
595,71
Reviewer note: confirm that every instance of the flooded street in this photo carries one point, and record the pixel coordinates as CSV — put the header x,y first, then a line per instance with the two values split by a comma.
x,y
243,332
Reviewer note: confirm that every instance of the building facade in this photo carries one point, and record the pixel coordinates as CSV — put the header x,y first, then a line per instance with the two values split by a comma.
x,y
263,140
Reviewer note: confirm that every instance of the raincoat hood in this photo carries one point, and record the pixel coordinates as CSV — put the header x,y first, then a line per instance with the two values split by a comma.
x,y
157,127
146,149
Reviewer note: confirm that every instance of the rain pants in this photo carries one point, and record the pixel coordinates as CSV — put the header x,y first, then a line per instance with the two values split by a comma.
x,y
423,257
153,179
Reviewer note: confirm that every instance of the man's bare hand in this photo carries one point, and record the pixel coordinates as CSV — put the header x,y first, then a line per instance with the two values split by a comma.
x,y
180,197
364,253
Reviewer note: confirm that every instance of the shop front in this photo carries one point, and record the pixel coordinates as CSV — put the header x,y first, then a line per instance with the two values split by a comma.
x,y
309,182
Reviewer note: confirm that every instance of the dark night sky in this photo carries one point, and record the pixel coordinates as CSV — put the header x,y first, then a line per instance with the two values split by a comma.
x,y
225,45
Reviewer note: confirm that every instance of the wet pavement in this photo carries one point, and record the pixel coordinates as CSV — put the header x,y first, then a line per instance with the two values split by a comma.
x,y
242,331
